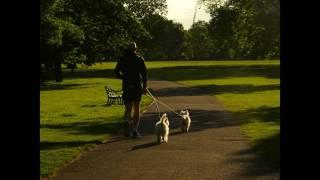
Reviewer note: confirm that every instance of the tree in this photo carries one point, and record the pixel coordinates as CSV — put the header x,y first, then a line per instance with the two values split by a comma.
x,y
222,32
167,38
248,28
144,8
90,31
261,20
200,42
108,26
58,35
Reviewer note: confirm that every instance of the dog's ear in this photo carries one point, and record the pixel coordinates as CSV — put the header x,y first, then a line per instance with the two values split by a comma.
x,y
164,114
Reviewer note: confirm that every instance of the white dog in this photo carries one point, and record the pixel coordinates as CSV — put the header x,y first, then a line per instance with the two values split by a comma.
x,y
186,120
162,129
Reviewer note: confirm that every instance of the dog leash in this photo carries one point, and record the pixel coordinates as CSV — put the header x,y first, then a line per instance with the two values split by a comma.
x,y
164,104
156,102
156,106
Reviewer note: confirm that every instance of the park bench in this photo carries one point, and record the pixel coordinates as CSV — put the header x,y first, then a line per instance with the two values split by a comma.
x,y
113,96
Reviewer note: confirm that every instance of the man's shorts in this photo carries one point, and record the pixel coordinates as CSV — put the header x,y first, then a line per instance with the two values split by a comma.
x,y
131,93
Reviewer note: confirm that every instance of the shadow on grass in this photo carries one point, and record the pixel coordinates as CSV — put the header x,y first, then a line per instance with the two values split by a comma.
x,y
269,148
214,89
49,87
238,89
44,145
92,127
180,73
262,113
89,106
68,115
59,86
102,73
268,151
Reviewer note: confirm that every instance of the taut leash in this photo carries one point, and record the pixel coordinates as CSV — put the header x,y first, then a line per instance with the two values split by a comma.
x,y
164,104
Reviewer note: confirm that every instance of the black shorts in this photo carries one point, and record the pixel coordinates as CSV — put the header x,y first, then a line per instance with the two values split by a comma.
x,y
131,93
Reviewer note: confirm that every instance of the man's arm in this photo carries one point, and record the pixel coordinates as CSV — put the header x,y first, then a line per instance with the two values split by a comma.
x,y
117,70
144,74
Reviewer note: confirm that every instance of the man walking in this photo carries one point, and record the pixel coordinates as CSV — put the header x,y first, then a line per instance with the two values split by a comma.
x,y
132,70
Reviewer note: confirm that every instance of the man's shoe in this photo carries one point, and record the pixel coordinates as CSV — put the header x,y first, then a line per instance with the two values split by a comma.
x,y
136,134
127,131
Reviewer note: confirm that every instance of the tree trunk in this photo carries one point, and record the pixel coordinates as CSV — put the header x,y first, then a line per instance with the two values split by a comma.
x,y
41,74
57,67
58,73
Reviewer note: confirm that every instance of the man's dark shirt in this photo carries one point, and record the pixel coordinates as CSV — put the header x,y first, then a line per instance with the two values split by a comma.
x,y
132,70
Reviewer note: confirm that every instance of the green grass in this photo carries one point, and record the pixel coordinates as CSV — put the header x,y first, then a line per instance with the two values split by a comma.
x,y
248,89
256,102
74,117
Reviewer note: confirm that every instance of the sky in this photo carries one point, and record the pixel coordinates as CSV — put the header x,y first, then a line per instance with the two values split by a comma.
x,y
182,11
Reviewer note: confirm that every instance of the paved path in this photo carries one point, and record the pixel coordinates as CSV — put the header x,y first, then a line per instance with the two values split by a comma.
x,y
213,149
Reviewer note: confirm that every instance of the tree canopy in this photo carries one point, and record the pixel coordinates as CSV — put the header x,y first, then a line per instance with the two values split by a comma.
x,y
90,31
245,29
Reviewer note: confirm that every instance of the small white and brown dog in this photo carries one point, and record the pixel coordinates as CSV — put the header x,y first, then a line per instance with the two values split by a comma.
x,y
162,129
186,120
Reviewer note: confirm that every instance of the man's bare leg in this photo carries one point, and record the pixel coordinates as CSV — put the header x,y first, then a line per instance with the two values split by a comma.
x,y
127,118
136,116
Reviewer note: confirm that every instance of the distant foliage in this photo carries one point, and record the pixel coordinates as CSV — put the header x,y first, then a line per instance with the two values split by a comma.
x,y
167,39
245,29
91,31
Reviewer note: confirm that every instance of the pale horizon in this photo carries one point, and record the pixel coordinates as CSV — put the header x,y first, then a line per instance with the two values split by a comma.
x,y
182,11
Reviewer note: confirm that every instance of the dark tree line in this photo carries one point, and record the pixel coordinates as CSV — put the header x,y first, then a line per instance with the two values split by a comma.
x,y
245,29
90,31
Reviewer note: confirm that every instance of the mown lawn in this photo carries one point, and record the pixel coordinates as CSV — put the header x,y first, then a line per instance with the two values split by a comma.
x,y
74,115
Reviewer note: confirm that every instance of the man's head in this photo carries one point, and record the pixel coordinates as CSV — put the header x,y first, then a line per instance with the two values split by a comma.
x,y
132,46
